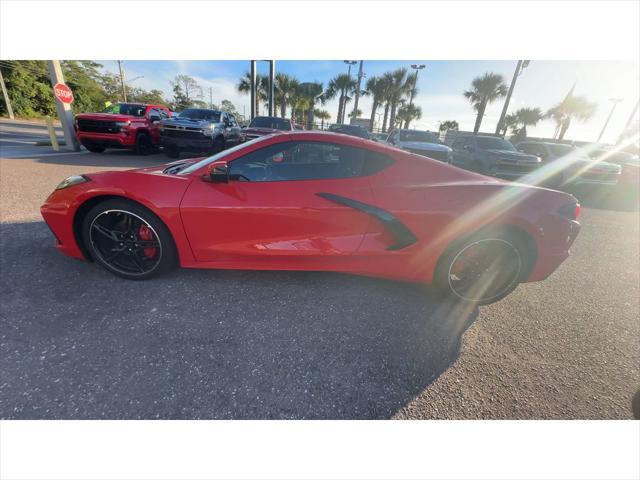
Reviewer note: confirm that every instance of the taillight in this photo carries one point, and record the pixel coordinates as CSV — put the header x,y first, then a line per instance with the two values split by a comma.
x,y
570,211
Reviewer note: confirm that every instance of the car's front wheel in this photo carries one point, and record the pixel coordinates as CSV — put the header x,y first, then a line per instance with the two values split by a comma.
x,y
482,269
128,240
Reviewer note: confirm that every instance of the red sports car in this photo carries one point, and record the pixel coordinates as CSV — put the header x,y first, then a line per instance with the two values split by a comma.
x,y
318,201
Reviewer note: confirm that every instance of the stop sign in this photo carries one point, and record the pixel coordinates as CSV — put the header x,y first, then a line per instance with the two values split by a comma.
x,y
63,93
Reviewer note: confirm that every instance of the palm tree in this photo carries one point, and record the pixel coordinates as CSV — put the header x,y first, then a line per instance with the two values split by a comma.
x,y
342,84
510,121
262,88
408,113
311,92
284,87
448,125
400,86
322,115
525,117
485,90
376,88
573,106
387,81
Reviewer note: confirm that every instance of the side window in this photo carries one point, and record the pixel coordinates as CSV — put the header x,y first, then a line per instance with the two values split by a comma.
x,y
153,112
458,144
291,161
163,113
232,121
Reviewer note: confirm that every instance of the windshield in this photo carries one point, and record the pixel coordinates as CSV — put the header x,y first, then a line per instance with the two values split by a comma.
x,y
490,143
219,156
200,114
271,122
418,136
134,109
562,150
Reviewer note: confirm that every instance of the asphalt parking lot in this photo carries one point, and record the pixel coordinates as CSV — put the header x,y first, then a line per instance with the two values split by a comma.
x,y
79,343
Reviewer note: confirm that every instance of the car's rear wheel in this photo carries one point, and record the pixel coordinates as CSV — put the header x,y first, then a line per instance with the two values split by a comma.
x,y
482,269
143,144
128,240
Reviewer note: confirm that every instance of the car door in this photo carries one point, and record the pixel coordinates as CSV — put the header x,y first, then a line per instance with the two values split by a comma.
x,y
272,213
153,117
461,153
234,130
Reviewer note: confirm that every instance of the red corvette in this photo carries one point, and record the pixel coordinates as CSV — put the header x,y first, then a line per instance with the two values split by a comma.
x,y
318,201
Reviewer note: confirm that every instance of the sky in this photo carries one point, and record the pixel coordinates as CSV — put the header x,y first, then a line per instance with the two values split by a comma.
x,y
440,86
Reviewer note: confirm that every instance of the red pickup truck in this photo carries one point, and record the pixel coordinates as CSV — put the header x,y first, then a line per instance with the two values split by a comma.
x,y
122,125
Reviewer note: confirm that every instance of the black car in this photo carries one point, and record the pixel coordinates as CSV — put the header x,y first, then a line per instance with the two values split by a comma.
x,y
353,130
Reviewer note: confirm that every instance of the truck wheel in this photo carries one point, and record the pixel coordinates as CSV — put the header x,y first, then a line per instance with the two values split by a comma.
x,y
143,144
94,148
172,151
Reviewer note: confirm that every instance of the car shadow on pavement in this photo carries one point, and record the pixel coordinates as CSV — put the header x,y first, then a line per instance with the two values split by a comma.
x,y
617,199
79,343
111,158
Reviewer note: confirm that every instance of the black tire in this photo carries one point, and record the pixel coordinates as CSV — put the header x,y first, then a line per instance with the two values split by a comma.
x,y
500,277
172,151
112,233
143,144
94,148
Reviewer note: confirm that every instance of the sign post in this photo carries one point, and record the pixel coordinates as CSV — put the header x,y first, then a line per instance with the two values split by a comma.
x,y
64,97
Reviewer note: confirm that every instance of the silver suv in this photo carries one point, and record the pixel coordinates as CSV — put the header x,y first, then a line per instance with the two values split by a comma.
x,y
420,142
199,130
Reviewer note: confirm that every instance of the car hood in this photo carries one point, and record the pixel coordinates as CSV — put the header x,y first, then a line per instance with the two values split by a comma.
x,y
187,122
511,155
111,117
604,167
426,146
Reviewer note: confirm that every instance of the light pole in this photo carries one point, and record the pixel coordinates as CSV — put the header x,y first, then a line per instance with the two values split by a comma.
x,y
344,107
417,68
124,89
614,102
628,124
520,66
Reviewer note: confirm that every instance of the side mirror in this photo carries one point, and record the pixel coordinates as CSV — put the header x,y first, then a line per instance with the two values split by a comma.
x,y
468,148
219,172
154,118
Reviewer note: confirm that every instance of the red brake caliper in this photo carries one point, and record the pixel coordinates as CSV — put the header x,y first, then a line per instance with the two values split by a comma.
x,y
147,234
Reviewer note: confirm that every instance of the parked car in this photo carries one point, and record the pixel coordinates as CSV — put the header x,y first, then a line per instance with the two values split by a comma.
x,y
420,142
318,201
577,168
630,164
492,156
353,130
122,125
199,130
260,126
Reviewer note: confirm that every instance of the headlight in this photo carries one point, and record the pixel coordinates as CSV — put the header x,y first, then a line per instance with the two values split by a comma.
x,y
71,181
122,124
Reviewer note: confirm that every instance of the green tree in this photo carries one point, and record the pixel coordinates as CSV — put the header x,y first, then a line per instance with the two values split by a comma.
x,y
311,92
485,90
572,107
523,118
229,107
262,88
448,125
408,113
186,92
340,86
376,88
400,86
285,87
322,115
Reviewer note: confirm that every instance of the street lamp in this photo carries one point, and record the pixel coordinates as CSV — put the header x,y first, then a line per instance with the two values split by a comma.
x,y
348,62
614,102
417,68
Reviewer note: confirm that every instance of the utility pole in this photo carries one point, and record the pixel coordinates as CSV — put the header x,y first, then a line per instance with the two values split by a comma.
x,y
522,64
252,80
272,86
65,114
6,97
344,99
417,68
615,102
122,83
628,124
355,103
